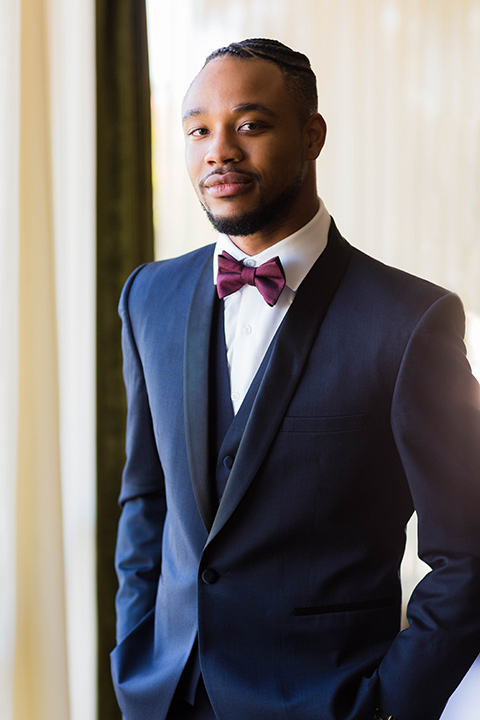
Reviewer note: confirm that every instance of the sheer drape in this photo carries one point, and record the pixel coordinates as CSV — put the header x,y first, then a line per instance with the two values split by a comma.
x,y
47,631
9,252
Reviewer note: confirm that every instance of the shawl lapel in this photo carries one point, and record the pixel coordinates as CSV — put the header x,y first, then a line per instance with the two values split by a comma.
x,y
196,392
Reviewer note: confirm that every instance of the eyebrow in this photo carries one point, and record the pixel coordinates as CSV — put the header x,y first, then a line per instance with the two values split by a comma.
x,y
243,107
254,107
193,113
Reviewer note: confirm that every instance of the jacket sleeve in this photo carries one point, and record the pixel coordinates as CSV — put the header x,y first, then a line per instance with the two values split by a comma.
x,y
436,423
142,496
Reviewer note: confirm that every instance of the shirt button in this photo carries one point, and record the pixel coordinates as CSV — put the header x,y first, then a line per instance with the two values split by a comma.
x,y
210,576
249,262
246,329
235,396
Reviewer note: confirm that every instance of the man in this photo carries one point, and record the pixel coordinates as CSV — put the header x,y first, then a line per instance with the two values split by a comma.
x,y
291,402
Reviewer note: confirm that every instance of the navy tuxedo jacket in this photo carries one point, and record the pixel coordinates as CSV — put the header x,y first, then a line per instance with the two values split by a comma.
x,y
366,410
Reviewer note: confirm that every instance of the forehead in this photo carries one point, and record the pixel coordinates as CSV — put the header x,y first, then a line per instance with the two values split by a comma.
x,y
230,82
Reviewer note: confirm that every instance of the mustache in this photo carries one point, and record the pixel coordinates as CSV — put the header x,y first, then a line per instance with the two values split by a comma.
x,y
224,169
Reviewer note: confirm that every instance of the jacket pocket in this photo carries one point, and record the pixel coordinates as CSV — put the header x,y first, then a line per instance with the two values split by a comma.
x,y
387,602
330,423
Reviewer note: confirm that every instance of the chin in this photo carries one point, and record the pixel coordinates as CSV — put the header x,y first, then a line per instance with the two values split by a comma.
x,y
236,225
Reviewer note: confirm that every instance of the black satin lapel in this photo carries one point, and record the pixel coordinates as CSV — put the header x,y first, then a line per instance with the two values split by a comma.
x,y
196,391
294,341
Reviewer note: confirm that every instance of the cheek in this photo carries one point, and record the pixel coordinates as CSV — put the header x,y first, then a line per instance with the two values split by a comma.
x,y
194,164
283,157
282,170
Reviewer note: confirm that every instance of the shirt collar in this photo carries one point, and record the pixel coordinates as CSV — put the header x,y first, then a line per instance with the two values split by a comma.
x,y
297,252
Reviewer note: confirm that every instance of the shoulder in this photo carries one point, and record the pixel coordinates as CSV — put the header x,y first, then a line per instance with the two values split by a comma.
x,y
390,293
390,303
378,286
161,279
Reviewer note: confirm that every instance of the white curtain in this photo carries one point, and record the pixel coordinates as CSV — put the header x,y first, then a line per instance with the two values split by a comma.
x,y
47,428
9,228
399,88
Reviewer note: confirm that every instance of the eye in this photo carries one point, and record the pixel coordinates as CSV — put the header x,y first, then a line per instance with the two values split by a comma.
x,y
251,127
197,132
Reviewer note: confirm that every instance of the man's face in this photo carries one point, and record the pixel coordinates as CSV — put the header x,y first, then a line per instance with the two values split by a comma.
x,y
246,147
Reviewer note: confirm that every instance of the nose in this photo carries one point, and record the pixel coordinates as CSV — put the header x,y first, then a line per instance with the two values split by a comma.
x,y
223,148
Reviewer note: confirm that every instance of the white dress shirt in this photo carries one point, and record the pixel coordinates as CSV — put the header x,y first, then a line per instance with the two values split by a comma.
x,y
250,324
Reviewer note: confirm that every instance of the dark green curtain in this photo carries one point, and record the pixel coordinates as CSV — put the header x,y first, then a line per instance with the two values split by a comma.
x,y
124,240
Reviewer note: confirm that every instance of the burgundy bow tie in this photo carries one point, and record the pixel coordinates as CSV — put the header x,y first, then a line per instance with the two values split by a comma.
x,y
269,278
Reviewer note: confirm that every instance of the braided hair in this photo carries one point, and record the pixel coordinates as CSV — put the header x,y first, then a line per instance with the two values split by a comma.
x,y
294,66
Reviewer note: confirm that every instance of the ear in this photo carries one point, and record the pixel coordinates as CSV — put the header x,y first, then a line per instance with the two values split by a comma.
x,y
315,132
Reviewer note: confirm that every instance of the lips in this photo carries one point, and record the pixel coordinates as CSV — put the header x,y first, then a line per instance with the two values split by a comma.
x,y
227,184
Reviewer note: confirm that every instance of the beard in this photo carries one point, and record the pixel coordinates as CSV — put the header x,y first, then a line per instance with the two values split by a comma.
x,y
268,213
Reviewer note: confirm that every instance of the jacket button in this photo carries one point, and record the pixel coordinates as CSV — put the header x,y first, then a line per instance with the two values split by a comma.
x,y
210,576
228,462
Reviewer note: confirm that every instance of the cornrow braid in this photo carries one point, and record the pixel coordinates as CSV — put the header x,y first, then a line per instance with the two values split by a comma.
x,y
295,66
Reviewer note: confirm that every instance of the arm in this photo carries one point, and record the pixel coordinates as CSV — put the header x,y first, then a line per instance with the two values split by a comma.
x,y
142,498
436,422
